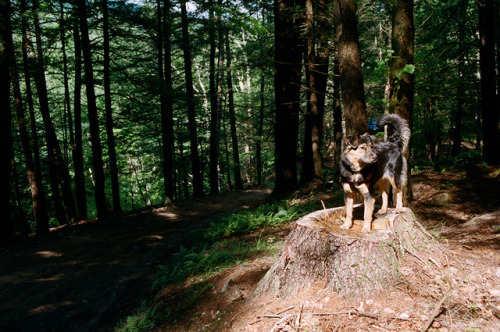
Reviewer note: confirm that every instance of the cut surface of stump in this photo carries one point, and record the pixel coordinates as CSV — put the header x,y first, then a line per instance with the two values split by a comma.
x,y
353,264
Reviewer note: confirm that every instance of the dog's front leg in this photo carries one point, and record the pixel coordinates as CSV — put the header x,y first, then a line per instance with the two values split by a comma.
x,y
399,200
349,204
369,206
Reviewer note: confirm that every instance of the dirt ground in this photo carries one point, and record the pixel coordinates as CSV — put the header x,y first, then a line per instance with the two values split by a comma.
x,y
455,288
89,276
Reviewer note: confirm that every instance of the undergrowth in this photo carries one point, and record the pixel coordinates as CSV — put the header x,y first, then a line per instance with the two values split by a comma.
x,y
216,247
230,239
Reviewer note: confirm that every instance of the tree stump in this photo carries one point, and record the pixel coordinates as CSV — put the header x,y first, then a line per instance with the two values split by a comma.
x,y
348,262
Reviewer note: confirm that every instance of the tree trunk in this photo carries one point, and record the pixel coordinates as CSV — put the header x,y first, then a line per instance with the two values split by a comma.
x,y
6,223
309,41
80,191
351,75
57,166
232,120
113,166
489,110
167,111
193,135
99,189
337,115
260,128
350,263
214,78
287,67
458,113
40,214
402,77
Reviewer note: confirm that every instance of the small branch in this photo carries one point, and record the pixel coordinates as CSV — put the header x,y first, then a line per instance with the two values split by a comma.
x,y
437,310
282,311
269,316
417,256
359,313
297,322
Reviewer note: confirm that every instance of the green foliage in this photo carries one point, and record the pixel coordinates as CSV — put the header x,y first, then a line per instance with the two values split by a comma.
x,y
213,249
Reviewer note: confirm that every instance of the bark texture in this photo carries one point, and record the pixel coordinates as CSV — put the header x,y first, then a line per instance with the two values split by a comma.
x,y
350,263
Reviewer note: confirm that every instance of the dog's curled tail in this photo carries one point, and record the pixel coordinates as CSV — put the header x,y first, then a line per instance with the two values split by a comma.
x,y
401,126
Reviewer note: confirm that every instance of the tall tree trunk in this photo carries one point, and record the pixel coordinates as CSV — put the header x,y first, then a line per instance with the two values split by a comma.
x,y
99,189
337,115
113,164
80,191
57,165
6,222
167,112
27,64
458,112
351,75
260,128
214,154
232,120
287,66
193,135
309,40
320,85
489,110
67,99
40,214
402,78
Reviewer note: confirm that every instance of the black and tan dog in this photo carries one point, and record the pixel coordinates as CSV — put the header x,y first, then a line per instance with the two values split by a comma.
x,y
366,163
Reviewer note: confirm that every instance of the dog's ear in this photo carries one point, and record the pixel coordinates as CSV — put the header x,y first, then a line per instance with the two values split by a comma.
x,y
350,141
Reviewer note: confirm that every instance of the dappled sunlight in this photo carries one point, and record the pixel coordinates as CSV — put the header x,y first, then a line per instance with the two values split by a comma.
x,y
56,277
49,307
48,254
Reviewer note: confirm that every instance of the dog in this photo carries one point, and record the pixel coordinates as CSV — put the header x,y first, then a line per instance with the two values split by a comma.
x,y
366,163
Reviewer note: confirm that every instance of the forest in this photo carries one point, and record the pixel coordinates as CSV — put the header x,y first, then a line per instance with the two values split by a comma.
x,y
158,155
112,106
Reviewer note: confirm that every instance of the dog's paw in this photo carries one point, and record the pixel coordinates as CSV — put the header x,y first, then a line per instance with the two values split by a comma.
x,y
381,211
346,225
365,229
399,210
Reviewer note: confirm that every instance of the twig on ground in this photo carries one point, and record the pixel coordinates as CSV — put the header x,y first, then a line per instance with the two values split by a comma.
x,y
359,313
437,310
417,256
282,311
297,322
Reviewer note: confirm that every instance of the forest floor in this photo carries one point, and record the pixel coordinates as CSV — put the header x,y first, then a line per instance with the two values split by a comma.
x,y
93,275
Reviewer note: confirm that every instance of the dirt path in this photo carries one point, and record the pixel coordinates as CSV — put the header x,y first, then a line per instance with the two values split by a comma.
x,y
90,276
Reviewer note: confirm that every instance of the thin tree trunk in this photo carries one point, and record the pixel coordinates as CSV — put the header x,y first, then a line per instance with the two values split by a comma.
x,y
351,75
214,154
337,115
193,136
80,191
260,128
167,117
307,172
113,164
232,120
321,77
458,113
99,189
287,66
67,99
6,222
59,171
489,110
40,215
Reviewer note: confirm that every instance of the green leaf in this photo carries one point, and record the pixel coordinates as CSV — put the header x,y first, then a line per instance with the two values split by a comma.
x,y
408,69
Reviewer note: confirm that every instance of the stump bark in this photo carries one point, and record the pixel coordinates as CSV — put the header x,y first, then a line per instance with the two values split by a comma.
x,y
353,264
